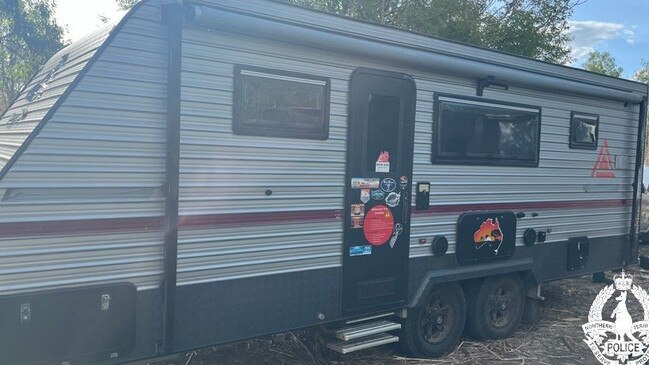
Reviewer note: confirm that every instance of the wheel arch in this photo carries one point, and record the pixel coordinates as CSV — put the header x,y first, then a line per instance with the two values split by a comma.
x,y
524,267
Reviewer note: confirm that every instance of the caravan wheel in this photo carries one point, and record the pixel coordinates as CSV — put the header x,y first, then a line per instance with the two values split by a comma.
x,y
435,329
495,306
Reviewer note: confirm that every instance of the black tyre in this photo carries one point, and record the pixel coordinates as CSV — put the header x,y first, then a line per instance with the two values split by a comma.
x,y
495,306
643,238
644,262
435,329
532,311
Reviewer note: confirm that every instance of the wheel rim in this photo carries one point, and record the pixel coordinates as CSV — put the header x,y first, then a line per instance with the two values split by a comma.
x,y
437,319
501,308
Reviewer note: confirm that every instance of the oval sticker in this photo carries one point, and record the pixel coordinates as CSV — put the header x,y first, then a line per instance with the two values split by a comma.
x,y
388,185
378,226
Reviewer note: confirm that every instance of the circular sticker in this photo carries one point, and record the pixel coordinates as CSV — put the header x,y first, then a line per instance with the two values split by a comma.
x,y
388,185
403,181
378,226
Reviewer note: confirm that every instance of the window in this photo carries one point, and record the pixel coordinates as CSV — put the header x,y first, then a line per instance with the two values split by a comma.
x,y
280,104
474,132
584,129
382,129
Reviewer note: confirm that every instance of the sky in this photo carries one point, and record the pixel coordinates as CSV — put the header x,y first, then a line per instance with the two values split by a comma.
x,y
620,27
615,26
80,17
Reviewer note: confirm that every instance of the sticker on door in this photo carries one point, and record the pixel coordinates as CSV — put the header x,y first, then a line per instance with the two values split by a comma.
x,y
365,195
378,225
383,162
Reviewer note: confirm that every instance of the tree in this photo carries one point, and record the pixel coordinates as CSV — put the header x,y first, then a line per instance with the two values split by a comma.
x,y
530,28
603,63
29,36
642,74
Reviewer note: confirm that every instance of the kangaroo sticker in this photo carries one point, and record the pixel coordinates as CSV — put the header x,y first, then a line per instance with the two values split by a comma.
x,y
619,341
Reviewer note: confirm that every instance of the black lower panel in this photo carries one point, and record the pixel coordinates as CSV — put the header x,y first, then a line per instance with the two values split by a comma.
x,y
84,324
68,325
227,311
148,319
548,260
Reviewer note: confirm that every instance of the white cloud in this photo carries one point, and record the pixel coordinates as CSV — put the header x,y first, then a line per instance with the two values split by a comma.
x,y
629,36
587,34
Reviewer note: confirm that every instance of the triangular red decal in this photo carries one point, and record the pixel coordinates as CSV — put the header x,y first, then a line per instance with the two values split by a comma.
x,y
604,166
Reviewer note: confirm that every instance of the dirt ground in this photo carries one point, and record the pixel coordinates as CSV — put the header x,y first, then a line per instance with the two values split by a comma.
x,y
556,339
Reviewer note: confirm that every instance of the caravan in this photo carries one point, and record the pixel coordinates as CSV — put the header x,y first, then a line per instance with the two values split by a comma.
x,y
217,170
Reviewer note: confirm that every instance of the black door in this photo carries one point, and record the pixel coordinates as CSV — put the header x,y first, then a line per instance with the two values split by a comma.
x,y
377,195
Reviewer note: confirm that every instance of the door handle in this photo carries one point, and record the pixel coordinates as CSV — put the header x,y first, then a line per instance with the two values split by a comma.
x,y
406,207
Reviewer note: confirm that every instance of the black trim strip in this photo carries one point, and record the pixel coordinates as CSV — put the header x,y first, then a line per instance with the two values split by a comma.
x,y
172,15
98,53
637,198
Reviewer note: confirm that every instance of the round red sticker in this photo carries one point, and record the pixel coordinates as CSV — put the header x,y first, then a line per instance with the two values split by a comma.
x,y
378,226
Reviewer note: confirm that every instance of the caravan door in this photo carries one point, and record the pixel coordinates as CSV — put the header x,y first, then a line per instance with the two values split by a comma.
x,y
377,198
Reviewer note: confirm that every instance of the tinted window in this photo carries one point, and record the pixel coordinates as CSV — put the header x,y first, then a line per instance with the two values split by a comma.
x,y
383,129
482,133
583,131
281,104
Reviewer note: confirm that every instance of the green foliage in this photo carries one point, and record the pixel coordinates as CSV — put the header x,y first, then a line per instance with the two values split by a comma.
x,y
29,36
530,28
642,74
603,63
126,4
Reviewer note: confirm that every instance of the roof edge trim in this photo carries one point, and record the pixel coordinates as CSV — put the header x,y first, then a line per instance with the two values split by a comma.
x,y
231,20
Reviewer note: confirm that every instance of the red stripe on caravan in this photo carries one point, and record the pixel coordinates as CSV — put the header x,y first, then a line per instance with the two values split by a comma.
x,y
79,227
251,219
103,226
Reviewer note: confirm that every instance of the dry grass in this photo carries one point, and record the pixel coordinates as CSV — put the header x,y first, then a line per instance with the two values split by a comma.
x,y
556,339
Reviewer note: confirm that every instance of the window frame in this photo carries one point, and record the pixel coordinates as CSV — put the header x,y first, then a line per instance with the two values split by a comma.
x,y
582,145
441,159
240,128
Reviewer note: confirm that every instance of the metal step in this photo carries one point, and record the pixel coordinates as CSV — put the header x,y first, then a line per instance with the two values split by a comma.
x,y
345,347
364,319
366,329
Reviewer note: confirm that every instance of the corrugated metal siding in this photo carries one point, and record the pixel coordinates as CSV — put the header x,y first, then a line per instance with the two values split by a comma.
x,y
23,115
100,156
563,174
224,173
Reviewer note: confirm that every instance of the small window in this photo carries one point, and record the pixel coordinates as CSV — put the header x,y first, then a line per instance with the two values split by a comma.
x,y
280,104
382,129
583,131
473,132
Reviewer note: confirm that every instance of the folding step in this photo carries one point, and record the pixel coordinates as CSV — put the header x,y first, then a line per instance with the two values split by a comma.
x,y
366,329
363,319
345,347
